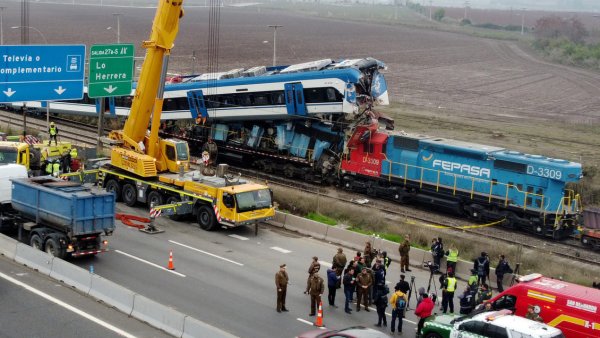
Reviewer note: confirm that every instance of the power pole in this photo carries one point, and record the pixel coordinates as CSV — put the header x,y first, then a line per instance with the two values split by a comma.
x,y
275,43
523,21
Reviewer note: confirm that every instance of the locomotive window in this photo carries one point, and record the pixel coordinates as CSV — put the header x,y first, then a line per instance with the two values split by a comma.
x,y
540,191
512,166
538,202
494,181
406,143
530,189
529,201
520,187
511,184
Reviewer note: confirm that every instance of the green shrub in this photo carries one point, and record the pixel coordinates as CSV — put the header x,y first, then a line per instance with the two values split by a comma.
x,y
317,217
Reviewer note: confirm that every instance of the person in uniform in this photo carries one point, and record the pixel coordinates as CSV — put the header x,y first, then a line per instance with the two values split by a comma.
x,y
316,287
365,280
482,266
314,265
448,288
368,253
473,279
452,258
339,262
501,269
484,294
403,249
281,282
531,314
53,131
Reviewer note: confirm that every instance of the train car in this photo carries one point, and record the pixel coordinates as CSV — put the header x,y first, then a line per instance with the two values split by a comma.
x,y
321,90
484,182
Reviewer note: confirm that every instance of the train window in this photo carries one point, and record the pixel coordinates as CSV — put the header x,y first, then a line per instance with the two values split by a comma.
x,y
511,185
261,100
406,143
538,202
494,181
529,201
169,105
540,191
512,166
278,98
530,189
182,104
331,97
520,187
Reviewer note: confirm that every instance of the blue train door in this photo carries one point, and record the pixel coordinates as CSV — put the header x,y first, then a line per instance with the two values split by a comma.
x,y
197,105
294,99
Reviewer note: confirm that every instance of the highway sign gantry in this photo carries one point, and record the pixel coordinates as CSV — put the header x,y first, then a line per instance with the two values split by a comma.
x,y
41,72
111,70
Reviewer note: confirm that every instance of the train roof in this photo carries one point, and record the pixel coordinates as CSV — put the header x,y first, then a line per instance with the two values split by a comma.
x,y
347,70
481,149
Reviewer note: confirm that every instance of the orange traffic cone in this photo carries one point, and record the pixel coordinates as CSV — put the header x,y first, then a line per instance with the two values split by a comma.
x,y
171,266
319,321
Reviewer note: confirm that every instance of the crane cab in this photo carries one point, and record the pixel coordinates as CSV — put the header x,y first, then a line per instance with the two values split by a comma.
x,y
175,156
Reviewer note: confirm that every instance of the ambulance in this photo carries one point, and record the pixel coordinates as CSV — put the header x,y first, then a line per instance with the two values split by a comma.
x,y
572,308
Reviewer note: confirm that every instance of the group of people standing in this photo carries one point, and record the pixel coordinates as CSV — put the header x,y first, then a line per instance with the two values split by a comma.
x,y
363,281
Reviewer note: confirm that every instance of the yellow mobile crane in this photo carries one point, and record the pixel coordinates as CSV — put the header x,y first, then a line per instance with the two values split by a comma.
x,y
147,169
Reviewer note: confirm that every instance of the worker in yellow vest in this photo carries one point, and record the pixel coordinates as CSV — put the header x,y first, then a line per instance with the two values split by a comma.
x,y
48,167
56,168
448,288
452,254
73,153
53,131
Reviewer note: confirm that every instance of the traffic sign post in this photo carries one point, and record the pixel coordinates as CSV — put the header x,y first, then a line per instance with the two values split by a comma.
x,y
111,70
41,72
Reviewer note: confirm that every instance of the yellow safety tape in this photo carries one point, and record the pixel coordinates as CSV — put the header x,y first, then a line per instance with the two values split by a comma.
x,y
456,227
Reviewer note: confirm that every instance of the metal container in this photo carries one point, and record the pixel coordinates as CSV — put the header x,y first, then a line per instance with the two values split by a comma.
x,y
591,218
64,205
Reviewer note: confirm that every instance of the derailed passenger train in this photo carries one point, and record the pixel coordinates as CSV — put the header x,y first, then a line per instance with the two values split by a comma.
x,y
487,183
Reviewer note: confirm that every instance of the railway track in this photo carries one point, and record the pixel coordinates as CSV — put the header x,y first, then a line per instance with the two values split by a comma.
x,y
86,134
78,133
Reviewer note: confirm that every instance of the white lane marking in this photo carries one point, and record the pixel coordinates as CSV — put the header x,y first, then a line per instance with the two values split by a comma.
x,y
327,264
68,307
305,321
276,248
206,253
150,263
241,238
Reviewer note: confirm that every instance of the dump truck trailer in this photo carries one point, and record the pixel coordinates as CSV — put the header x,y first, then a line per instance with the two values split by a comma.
x,y
62,218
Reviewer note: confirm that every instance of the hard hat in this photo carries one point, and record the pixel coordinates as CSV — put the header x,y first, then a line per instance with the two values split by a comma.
x,y
51,123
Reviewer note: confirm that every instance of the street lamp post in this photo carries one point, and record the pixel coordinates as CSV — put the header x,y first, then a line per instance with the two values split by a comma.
x,y
118,16
275,42
2,25
35,29
523,22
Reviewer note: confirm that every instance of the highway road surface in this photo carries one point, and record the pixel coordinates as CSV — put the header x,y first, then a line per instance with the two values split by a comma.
x,y
33,305
226,277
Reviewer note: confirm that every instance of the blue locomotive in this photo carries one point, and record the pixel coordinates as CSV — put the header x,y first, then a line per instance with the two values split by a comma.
x,y
486,183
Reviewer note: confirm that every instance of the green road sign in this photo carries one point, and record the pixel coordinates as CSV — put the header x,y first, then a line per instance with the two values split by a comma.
x,y
111,70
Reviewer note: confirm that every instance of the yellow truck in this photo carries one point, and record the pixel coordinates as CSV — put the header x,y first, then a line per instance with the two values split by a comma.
x,y
148,170
32,156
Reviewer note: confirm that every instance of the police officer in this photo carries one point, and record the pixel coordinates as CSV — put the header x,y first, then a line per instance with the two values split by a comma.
x,y
365,280
448,288
53,131
339,261
403,249
316,287
281,282
315,266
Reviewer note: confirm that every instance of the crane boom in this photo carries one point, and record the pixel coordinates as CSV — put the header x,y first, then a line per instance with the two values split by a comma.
x,y
140,153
